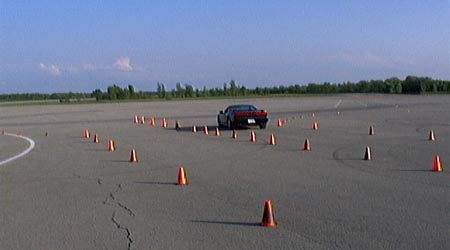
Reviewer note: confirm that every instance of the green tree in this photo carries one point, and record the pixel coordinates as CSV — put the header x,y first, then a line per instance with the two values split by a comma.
x,y
161,90
112,92
131,90
98,94
180,91
234,88
189,91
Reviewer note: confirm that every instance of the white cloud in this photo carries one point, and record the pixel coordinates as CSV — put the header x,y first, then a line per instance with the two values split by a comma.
x,y
123,63
50,68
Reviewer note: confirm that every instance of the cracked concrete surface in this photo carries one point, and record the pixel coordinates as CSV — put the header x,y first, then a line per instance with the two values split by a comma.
x,y
121,227
112,201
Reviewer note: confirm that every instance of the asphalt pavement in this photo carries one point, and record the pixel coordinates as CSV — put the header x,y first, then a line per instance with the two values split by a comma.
x,y
72,193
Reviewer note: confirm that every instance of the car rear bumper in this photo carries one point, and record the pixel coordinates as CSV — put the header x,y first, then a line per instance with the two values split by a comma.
x,y
250,120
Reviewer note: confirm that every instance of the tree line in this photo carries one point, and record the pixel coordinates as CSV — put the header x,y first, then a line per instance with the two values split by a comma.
x,y
393,85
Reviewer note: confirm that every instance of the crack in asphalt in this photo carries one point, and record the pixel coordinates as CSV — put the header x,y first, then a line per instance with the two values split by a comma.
x,y
129,211
111,201
126,229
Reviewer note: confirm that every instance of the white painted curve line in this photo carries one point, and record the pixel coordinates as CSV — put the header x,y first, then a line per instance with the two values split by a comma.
x,y
337,104
21,154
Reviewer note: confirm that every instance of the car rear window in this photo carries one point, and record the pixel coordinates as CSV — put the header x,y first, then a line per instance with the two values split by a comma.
x,y
244,108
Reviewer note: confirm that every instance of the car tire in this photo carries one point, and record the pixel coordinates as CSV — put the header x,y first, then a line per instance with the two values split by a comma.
x,y
263,125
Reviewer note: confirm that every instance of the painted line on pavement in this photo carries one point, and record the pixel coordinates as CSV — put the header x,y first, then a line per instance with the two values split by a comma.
x,y
21,154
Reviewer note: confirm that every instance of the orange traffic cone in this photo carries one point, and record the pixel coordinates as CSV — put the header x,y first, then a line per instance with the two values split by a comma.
x,y
268,219
368,154
437,164
315,126
194,129
205,130
234,135
111,146
152,121
306,145
313,115
95,138
87,134
217,133
272,140
142,119
164,123
135,119
177,125
371,131
133,158
182,178
252,136
279,123
431,137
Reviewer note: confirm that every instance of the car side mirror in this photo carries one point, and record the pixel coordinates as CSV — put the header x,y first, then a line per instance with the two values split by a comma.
x,y
221,112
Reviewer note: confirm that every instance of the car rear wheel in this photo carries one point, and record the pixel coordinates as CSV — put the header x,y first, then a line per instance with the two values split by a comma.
x,y
263,125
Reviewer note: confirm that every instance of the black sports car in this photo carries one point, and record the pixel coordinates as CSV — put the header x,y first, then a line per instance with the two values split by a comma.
x,y
242,115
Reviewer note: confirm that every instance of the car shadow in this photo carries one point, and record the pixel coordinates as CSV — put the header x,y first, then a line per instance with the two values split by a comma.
x,y
211,128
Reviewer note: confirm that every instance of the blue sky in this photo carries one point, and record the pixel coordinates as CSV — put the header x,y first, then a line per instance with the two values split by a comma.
x,y
61,46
